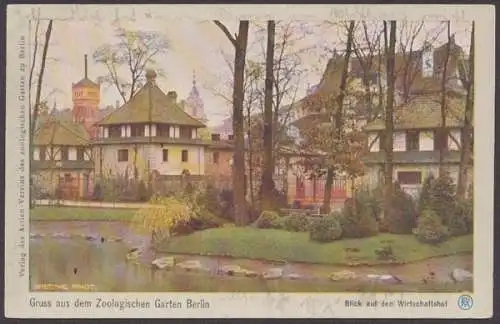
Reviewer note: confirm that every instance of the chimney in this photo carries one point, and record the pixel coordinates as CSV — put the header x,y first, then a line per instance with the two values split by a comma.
x,y
117,104
215,137
172,95
85,66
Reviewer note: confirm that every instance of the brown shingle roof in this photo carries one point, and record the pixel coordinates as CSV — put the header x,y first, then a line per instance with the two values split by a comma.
x,y
59,132
425,112
164,110
86,82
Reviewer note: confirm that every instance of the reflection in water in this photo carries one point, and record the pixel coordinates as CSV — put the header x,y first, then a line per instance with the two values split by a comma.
x,y
81,260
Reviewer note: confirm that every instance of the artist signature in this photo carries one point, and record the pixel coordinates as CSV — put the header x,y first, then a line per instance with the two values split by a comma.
x,y
64,287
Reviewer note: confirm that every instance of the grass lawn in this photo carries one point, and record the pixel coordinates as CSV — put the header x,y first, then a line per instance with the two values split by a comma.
x,y
280,245
45,213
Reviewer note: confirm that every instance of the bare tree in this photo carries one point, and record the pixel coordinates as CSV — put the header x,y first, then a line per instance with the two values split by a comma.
x,y
267,182
367,54
467,132
444,93
338,115
239,41
390,54
128,58
38,94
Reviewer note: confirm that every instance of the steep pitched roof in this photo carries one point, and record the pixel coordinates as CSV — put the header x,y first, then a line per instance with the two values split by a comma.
x,y
86,82
425,112
60,132
151,104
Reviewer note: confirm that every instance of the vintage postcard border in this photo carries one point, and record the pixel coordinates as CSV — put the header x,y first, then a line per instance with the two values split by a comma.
x,y
233,304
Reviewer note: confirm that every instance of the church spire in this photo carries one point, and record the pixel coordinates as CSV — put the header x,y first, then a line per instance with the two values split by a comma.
x,y
194,78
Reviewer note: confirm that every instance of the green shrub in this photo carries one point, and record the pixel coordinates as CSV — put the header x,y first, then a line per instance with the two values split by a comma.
x,y
268,219
430,228
461,223
442,198
425,193
296,223
357,221
402,218
325,229
372,200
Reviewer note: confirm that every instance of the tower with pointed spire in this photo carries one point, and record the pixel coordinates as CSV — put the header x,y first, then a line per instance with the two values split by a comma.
x,y
194,104
86,99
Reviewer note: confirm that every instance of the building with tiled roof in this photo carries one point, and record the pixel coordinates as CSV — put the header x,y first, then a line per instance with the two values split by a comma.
x,y
62,159
150,134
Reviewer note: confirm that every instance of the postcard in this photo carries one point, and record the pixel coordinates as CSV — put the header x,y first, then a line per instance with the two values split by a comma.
x,y
249,161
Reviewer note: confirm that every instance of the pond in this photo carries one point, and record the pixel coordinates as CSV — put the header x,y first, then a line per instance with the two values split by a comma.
x,y
77,254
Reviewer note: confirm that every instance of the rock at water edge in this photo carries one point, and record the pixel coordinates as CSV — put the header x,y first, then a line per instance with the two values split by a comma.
x,y
461,275
192,265
273,273
342,275
164,262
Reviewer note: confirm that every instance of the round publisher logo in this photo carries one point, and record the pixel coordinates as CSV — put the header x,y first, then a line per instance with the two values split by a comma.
x,y
465,302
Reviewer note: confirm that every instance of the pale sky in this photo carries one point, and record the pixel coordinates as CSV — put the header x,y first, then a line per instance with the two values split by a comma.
x,y
194,45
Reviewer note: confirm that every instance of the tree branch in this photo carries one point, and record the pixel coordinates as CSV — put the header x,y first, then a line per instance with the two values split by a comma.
x,y
224,29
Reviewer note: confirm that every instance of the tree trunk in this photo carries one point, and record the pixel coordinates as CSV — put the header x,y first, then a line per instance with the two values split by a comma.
x,y
442,129
240,204
267,182
338,116
37,104
389,116
467,132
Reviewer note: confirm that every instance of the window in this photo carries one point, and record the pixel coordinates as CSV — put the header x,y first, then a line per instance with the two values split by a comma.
x,y
43,152
215,137
412,140
115,131
216,157
163,130
410,177
137,130
184,155
64,153
80,153
440,139
123,155
230,137
185,132
165,155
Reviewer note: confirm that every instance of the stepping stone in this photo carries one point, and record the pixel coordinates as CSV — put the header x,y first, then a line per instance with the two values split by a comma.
x,y
461,275
233,270
386,279
342,275
273,273
293,276
193,265
133,254
167,262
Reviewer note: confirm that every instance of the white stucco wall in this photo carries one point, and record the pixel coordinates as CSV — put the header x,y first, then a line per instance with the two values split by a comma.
x,y
399,141
374,141
426,141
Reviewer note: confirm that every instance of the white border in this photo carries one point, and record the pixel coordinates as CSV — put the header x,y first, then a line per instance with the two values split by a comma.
x,y
301,305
